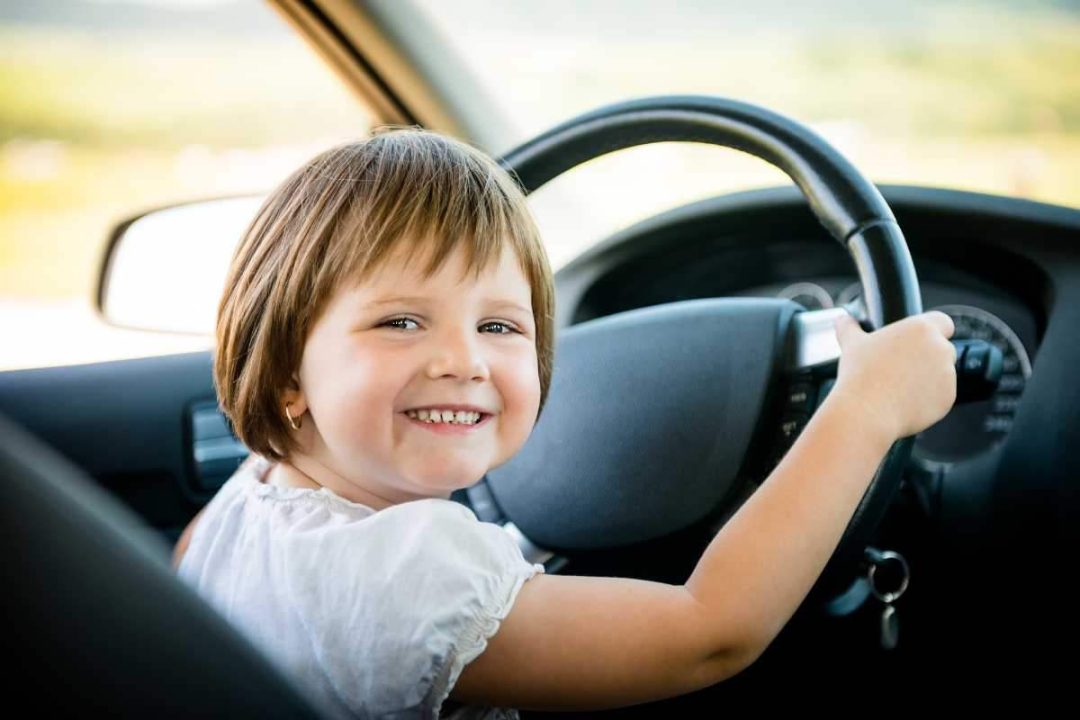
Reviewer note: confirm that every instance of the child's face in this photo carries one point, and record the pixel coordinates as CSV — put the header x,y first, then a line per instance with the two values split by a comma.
x,y
400,343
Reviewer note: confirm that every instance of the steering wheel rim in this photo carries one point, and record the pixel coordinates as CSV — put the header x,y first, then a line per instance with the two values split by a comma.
x,y
849,207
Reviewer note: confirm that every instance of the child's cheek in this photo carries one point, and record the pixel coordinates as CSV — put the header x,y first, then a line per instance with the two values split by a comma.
x,y
521,393
363,403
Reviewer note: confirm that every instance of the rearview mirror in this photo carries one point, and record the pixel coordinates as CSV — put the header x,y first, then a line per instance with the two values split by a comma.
x,y
165,270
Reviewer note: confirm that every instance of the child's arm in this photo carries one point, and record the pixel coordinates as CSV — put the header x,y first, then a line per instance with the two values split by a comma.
x,y
586,643
579,643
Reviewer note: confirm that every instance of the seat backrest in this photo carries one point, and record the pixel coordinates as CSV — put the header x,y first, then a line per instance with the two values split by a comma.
x,y
98,621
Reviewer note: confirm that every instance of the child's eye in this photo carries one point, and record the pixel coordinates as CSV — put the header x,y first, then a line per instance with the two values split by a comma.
x,y
400,323
504,328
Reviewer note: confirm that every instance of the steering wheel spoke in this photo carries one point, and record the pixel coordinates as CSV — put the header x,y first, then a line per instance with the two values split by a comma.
x,y
812,340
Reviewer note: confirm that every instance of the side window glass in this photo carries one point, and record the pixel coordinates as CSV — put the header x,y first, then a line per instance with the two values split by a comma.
x,y
110,109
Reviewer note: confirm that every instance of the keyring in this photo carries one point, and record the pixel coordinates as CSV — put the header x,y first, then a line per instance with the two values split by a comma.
x,y
878,557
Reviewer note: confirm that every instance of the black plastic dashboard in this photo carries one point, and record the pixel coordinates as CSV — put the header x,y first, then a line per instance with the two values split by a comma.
x,y
988,262
760,242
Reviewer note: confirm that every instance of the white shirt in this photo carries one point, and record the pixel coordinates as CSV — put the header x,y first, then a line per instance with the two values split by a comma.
x,y
373,613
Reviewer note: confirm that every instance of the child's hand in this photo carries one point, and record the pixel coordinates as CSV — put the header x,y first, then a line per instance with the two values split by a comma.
x,y
903,374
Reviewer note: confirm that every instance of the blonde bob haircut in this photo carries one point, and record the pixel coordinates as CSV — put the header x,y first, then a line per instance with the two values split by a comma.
x,y
333,222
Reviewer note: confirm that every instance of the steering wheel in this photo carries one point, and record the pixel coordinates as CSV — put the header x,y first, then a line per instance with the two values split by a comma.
x,y
656,418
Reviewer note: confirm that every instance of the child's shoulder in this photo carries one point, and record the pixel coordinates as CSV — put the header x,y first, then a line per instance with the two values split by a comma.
x,y
300,522
436,508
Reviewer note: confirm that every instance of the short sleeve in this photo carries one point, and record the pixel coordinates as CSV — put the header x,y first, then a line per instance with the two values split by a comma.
x,y
400,603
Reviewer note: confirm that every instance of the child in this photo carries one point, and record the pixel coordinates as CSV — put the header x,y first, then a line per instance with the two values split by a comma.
x,y
385,338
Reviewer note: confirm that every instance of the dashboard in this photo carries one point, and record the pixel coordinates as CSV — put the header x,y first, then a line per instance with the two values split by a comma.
x,y
980,259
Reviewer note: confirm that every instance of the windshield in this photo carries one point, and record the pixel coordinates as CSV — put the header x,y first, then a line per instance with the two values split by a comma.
x,y
974,96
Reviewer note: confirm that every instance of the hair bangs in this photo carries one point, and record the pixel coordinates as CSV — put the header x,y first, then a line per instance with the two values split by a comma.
x,y
428,208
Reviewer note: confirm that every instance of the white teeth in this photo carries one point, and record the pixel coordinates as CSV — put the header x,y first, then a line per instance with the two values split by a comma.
x,y
462,417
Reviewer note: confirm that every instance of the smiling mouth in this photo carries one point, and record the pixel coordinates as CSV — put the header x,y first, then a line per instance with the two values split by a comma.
x,y
452,426
447,416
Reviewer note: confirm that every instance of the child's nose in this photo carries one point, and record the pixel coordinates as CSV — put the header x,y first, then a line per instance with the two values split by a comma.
x,y
459,355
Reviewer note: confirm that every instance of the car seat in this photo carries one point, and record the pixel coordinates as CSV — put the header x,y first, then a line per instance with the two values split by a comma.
x,y
99,622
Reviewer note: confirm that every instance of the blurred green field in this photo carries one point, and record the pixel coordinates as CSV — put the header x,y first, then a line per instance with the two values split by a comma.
x,y
162,91
1017,76
93,131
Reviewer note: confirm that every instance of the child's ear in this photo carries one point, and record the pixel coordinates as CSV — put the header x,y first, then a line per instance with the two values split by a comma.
x,y
294,398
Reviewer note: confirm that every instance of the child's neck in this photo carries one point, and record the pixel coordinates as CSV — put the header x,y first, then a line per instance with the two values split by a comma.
x,y
300,472
284,475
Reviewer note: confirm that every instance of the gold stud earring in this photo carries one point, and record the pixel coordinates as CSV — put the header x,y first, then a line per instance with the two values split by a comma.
x,y
294,422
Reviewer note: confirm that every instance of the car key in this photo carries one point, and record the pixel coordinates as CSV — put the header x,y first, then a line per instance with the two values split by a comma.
x,y
879,564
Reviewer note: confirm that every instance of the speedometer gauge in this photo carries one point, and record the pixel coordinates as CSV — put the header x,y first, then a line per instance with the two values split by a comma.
x,y
810,295
976,427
